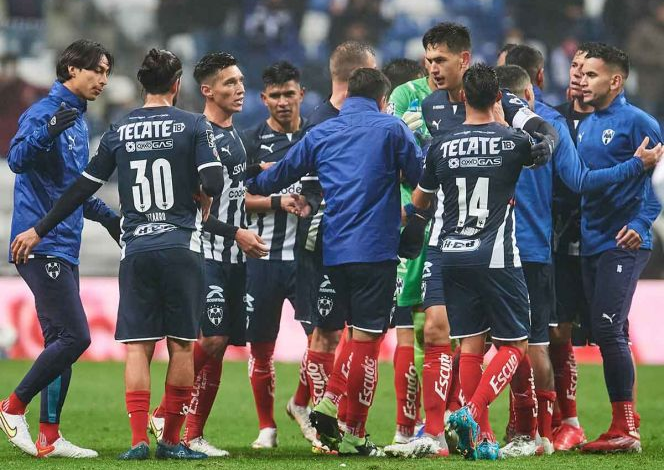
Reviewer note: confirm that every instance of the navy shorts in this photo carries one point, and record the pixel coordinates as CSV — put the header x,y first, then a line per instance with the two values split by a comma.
x,y
316,297
269,284
433,291
161,294
366,292
480,299
224,313
542,296
610,279
402,318
571,304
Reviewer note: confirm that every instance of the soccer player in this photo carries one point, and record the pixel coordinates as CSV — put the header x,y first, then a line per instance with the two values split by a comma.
x,y
316,297
616,232
502,54
47,154
404,102
531,410
272,280
477,166
447,51
359,157
162,155
225,242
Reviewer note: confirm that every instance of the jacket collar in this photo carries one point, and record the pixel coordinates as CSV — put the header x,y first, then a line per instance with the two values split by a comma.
x,y
538,93
62,93
358,104
618,102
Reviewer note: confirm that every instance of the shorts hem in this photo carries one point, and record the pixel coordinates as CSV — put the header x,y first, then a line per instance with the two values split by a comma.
x,y
410,327
182,339
129,340
470,335
510,339
553,325
539,343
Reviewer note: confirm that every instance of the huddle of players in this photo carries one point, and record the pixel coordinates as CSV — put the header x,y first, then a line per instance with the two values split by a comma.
x,y
472,250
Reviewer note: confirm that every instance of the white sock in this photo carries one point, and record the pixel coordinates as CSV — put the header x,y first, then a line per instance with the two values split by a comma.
x,y
572,421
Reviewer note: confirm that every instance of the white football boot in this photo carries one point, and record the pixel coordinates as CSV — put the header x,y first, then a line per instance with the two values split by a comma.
x,y
199,444
16,429
156,426
267,439
63,448
519,446
425,446
300,414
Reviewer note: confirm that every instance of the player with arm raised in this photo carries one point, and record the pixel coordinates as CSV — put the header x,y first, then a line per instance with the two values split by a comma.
x,y
162,155
48,153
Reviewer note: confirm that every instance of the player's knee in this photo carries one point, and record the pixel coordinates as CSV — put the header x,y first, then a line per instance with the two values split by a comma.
x,y
436,331
325,340
560,334
215,346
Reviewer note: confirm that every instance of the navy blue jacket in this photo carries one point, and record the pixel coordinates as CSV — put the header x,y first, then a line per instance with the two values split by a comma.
x,y
45,168
359,157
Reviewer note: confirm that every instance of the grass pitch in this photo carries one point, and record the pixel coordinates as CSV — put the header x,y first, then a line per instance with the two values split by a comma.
x,y
95,416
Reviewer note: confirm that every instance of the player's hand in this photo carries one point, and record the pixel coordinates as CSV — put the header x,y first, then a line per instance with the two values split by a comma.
x,y
413,120
23,244
628,239
290,204
62,120
412,237
265,165
499,114
303,207
251,244
649,157
542,149
205,202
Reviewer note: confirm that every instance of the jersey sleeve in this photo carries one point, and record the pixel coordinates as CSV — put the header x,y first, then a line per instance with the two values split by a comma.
x,y
102,165
399,101
206,154
517,112
429,183
30,139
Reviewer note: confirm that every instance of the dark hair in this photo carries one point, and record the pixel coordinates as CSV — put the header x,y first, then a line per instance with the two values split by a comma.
x,y
455,36
400,71
280,73
611,55
159,70
588,46
82,54
369,83
211,63
527,57
347,57
506,48
480,84
513,77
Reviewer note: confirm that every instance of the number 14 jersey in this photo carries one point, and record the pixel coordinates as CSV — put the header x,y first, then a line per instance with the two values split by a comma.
x,y
477,167
158,153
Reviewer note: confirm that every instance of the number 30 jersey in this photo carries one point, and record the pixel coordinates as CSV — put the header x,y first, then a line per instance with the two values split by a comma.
x,y
158,153
477,167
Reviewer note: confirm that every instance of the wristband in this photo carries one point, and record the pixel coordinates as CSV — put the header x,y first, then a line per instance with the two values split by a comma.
x,y
275,203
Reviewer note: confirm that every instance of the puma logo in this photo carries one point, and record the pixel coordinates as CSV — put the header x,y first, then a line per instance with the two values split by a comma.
x,y
610,318
226,149
268,147
436,124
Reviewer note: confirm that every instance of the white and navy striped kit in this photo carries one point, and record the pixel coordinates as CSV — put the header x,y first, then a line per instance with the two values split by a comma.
x,y
276,228
229,206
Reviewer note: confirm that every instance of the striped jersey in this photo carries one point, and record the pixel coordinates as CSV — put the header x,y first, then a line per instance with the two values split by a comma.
x,y
229,206
477,167
277,228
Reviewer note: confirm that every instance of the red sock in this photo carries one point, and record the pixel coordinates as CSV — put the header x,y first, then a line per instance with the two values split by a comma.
x,y
406,386
176,400
342,409
545,401
624,419
261,375
523,398
557,418
495,378
138,406
206,386
13,405
50,432
455,398
362,381
319,367
436,375
565,373
336,385
302,394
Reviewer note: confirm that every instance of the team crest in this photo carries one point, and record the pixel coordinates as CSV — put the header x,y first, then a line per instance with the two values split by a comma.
x,y
399,290
390,108
215,314
325,305
53,269
607,136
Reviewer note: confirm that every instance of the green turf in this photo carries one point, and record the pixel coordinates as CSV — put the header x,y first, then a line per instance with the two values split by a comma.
x,y
94,416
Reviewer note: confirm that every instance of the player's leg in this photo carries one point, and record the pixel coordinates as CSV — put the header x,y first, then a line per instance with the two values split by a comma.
x,y
616,274
406,381
54,284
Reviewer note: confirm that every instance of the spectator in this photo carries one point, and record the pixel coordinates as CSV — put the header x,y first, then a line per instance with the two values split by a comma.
x,y
356,20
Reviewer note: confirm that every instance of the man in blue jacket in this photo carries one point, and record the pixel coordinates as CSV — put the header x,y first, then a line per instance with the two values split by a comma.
x,y
360,158
48,153
616,232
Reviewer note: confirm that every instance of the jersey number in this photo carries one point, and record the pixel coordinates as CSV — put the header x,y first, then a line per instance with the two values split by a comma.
x,y
479,202
162,185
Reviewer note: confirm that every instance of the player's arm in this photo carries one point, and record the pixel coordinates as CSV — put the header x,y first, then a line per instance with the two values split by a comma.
x,y
206,158
96,210
249,242
100,168
37,133
409,154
